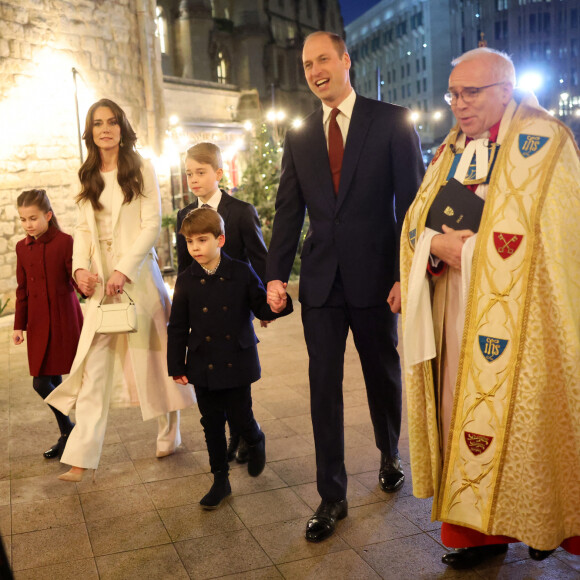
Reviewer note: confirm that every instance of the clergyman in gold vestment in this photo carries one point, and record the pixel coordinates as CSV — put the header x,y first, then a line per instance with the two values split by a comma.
x,y
491,325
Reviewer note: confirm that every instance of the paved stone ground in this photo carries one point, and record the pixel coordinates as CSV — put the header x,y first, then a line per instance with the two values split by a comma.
x,y
141,519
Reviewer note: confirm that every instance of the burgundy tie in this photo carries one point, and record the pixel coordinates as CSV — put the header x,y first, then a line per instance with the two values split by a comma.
x,y
335,149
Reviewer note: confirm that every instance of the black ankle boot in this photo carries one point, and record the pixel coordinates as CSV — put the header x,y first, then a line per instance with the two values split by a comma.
x,y
257,457
233,445
218,492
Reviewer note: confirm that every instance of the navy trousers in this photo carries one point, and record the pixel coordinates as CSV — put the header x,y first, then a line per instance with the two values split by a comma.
x,y
375,336
213,406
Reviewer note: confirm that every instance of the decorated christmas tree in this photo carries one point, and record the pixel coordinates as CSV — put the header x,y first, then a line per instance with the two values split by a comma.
x,y
261,179
262,176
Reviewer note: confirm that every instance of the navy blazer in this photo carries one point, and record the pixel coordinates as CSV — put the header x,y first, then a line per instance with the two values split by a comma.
x,y
211,338
244,240
358,230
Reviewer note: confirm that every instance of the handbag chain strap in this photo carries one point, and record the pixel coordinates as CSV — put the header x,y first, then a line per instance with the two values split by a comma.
x,y
124,292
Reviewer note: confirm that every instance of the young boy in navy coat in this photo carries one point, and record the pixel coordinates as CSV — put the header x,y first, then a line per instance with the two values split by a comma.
x,y
212,344
204,170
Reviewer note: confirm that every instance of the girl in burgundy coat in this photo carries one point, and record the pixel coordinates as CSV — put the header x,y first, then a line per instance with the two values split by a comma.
x,y
46,303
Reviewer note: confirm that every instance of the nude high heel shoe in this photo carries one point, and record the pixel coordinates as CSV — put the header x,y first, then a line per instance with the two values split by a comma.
x,y
75,476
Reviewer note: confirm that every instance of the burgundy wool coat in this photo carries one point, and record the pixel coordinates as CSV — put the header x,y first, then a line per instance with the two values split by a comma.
x,y
47,306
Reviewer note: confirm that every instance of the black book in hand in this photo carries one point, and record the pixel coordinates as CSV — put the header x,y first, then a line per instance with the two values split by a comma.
x,y
455,206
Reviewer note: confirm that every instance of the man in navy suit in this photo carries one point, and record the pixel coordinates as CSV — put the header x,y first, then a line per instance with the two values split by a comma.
x,y
357,181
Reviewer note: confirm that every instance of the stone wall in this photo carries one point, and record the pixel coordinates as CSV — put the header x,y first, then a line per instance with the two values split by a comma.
x,y
41,42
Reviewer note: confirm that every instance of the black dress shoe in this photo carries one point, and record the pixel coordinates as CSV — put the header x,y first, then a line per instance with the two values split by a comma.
x,y
242,452
257,457
233,444
52,452
57,449
469,557
219,491
391,476
539,554
323,523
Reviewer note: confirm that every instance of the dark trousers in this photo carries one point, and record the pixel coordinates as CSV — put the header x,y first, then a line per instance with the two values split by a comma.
x,y
375,336
236,403
44,385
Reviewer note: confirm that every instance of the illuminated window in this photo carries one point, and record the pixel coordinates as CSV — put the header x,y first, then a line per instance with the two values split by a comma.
x,y
161,31
222,68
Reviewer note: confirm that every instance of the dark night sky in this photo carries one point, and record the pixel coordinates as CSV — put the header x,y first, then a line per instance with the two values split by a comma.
x,y
352,9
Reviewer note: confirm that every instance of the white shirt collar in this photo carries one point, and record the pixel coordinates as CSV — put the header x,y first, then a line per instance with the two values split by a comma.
x,y
345,107
214,200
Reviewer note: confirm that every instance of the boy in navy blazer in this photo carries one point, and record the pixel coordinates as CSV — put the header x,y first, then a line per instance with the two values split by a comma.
x,y
212,344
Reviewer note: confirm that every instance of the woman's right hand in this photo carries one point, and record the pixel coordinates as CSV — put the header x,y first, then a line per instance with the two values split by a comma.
x,y
86,281
18,337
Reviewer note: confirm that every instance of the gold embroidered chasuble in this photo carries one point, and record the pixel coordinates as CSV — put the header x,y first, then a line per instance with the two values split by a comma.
x,y
512,463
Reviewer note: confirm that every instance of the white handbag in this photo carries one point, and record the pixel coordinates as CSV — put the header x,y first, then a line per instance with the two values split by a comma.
x,y
116,318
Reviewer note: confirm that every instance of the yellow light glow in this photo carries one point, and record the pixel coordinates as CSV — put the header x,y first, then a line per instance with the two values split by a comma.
x,y
297,123
437,115
39,108
415,116
271,115
173,120
169,289
248,126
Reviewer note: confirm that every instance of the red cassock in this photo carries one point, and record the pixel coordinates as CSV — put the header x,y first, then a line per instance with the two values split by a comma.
x,y
454,536
47,306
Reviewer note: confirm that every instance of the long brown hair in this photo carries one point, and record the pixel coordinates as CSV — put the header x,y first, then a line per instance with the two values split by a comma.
x,y
38,198
129,164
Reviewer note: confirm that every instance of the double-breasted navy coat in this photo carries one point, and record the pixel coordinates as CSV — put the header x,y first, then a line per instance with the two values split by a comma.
x,y
211,338
47,306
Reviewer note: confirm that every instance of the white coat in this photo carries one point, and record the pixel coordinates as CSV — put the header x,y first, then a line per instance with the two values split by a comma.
x,y
136,227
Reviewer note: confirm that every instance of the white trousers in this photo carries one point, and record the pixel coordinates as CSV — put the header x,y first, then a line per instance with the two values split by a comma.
x,y
85,443
108,363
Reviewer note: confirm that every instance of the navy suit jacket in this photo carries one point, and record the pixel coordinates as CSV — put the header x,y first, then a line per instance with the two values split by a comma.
x,y
244,240
358,230
210,336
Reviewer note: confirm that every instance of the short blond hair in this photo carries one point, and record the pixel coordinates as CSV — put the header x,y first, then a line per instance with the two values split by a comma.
x,y
206,152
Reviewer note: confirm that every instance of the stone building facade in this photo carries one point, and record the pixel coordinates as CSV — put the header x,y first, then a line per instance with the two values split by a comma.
x,y
54,56
227,63
255,45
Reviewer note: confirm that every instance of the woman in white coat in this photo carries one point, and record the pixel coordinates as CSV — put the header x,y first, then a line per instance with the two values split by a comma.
x,y
119,222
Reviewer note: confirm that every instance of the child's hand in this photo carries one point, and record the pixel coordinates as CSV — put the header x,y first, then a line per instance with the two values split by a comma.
x,y
182,380
18,337
276,295
86,281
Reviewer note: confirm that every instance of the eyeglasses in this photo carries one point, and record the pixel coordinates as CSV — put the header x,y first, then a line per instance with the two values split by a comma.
x,y
468,94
